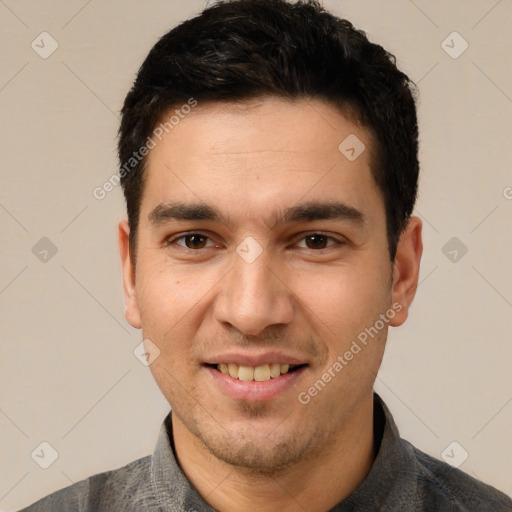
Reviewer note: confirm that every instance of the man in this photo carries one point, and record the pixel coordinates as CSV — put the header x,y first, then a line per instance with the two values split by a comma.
x,y
269,162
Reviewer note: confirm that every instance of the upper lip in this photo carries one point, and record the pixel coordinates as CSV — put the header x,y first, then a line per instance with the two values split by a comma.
x,y
254,360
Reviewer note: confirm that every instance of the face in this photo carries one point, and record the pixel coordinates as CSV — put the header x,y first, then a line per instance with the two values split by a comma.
x,y
261,258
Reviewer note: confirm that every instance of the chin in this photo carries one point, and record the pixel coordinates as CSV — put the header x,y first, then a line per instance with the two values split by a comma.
x,y
264,453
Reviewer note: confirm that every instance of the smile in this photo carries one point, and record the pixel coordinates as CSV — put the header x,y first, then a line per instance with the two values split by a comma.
x,y
259,373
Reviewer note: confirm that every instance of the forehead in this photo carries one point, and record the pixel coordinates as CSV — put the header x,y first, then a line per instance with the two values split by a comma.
x,y
259,155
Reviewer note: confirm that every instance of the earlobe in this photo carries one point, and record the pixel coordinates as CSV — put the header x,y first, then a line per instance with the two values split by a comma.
x,y
406,269
132,312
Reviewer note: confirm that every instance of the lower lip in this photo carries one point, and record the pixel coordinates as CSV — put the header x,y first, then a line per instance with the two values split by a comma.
x,y
253,391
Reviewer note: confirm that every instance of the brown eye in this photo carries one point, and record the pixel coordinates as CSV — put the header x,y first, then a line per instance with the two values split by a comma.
x,y
316,241
193,241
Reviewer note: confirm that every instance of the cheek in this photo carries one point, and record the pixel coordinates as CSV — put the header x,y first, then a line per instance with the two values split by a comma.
x,y
170,303
344,300
168,293
173,302
343,307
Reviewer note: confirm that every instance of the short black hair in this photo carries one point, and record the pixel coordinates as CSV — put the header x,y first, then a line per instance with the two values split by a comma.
x,y
239,50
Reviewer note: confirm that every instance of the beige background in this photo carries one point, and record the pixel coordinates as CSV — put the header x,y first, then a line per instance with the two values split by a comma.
x,y
67,371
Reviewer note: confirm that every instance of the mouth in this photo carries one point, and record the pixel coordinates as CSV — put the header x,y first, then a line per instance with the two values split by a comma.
x,y
254,377
260,373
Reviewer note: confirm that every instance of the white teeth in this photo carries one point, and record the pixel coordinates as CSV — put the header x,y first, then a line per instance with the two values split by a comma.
x,y
260,373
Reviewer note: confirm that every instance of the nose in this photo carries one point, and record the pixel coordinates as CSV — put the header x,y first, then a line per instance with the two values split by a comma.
x,y
253,297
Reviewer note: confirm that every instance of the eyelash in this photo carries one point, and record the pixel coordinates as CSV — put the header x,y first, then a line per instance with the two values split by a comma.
x,y
173,240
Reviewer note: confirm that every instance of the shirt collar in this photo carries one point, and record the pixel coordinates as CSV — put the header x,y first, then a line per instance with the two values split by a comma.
x,y
170,485
173,491
390,475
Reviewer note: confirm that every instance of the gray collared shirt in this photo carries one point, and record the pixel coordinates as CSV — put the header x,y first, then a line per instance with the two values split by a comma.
x,y
402,478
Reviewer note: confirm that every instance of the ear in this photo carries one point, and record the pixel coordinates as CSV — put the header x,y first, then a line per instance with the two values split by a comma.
x,y
132,312
406,269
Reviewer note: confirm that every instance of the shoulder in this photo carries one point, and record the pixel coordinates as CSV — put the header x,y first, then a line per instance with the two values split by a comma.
x,y
442,483
105,491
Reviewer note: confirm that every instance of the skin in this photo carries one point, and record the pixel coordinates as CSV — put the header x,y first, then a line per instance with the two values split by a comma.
x,y
252,161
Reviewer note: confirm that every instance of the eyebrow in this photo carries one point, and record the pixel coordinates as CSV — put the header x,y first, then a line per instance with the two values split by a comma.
x,y
305,212
165,212
309,212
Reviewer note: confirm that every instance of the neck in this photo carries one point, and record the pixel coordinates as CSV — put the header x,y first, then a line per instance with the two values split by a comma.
x,y
315,484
